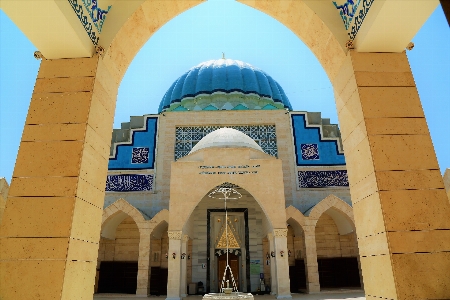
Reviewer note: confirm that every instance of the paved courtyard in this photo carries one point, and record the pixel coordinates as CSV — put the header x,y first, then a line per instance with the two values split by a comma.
x,y
327,295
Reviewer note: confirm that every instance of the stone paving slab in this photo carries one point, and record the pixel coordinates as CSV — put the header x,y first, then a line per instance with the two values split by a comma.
x,y
327,295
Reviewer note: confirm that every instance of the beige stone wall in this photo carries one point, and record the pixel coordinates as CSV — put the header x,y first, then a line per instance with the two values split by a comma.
x,y
330,243
296,244
159,248
126,245
4,188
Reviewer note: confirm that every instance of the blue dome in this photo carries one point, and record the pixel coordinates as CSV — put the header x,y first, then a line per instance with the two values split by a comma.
x,y
225,76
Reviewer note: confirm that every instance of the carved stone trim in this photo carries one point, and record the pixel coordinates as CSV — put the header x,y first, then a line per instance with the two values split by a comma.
x,y
280,232
185,238
175,234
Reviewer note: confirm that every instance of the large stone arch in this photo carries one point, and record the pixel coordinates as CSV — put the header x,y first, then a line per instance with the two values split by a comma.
x,y
122,44
339,211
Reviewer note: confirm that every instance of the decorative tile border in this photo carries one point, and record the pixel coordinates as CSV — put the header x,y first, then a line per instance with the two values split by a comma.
x,y
187,137
98,15
347,11
360,18
78,9
129,183
321,179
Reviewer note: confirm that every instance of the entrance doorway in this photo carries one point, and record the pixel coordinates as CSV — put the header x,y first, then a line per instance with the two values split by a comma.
x,y
234,265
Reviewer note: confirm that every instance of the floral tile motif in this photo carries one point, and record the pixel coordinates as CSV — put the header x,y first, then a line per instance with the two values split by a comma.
x,y
310,151
129,183
187,137
322,179
139,155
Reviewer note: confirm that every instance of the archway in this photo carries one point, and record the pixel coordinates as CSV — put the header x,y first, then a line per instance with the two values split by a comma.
x,y
247,225
336,244
375,175
120,249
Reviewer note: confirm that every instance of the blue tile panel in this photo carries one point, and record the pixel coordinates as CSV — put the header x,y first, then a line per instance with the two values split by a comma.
x,y
187,137
322,179
126,154
227,76
328,149
129,183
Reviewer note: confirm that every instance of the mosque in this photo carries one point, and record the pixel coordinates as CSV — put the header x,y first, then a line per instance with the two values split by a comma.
x,y
224,125
227,123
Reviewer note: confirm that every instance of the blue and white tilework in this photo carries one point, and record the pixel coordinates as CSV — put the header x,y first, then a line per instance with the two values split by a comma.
x,y
322,179
303,135
139,155
187,137
310,151
129,183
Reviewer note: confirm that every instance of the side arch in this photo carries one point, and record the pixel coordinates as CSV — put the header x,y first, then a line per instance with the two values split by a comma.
x,y
300,220
115,213
159,223
338,210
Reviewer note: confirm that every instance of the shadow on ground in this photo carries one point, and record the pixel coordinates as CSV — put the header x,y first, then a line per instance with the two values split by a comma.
x,y
325,295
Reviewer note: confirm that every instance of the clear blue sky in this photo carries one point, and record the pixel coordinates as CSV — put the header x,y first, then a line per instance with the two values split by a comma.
x,y
243,33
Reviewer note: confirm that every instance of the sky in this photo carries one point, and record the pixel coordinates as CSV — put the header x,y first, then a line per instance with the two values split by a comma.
x,y
242,33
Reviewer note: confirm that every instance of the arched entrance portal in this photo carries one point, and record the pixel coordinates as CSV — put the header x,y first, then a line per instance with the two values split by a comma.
x,y
247,225
228,156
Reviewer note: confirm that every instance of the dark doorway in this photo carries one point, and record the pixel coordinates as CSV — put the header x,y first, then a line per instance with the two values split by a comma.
x,y
297,276
158,281
234,265
339,272
118,277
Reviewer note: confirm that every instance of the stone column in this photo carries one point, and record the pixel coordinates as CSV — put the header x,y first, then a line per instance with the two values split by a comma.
x,y
273,269
282,263
174,279
183,289
51,226
311,265
143,275
399,202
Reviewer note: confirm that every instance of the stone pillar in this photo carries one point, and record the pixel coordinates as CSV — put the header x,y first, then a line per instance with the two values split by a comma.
x,y
183,289
174,279
143,275
51,226
399,202
311,265
282,264
273,269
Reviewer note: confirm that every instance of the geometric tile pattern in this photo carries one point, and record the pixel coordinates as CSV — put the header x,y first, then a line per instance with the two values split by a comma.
x,y
187,137
321,179
347,11
129,183
310,151
139,155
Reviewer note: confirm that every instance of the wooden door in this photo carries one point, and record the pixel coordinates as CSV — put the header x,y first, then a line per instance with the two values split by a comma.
x,y
234,265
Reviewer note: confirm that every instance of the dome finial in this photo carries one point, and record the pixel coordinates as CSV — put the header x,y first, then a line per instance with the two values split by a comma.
x,y
223,55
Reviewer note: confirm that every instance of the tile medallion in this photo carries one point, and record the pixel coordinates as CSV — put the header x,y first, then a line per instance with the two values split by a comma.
x,y
139,155
310,151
